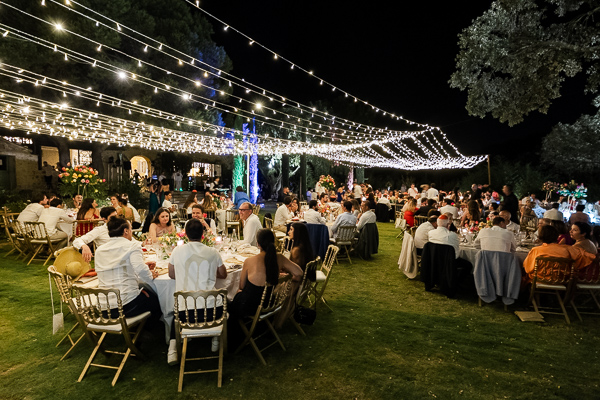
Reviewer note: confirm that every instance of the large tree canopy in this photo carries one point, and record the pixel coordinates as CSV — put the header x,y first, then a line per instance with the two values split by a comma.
x,y
517,55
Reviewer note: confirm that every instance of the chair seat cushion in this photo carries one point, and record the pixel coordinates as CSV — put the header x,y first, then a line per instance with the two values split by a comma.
x,y
117,327
321,276
588,286
550,286
279,234
207,332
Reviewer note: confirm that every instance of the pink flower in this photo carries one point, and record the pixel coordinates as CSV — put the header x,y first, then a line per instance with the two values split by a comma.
x,y
103,180
64,169
60,175
83,181
66,174
87,181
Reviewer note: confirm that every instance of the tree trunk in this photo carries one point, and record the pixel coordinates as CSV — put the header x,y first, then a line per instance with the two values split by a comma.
x,y
360,175
97,163
63,150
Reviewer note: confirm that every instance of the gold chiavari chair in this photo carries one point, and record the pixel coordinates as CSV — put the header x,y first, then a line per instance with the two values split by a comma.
x,y
552,275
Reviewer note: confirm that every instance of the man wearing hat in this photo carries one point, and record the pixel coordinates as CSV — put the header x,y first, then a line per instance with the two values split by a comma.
x,y
441,235
120,265
98,235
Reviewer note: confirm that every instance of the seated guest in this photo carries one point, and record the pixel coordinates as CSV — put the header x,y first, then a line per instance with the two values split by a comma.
x,y
563,232
553,213
137,221
51,217
189,202
312,215
198,214
367,216
161,224
32,212
346,218
579,215
258,271
195,266
114,201
424,210
472,215
510,225
77,200
285,192
240,197
355,207
384,200
87,212
422,232
284,213
371,200
98,235
301,252
166,204
492,210
582,233
451,226
208,203
447,207
496,238
409,212
251,223
125,211
549,235
441,234
120,265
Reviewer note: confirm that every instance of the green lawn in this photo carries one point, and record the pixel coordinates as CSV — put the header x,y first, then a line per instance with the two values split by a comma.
x,y
386,339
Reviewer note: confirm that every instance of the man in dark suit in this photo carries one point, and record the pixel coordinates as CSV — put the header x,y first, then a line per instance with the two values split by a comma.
x,y
510,203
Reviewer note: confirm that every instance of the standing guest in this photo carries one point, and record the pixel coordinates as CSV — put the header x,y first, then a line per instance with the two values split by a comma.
x,y
195,266
553,213
563,232
579,215
312,215
284,213
251,223
240,197
358,192
120,265
153,206
161,224
510,204
258,271
189,202
432,192
48,173
98,235
448,207
32,212
422,233
441,234
177,178
496,238
77,200
582,233
549,235
412,190
346,218
340,194
51,217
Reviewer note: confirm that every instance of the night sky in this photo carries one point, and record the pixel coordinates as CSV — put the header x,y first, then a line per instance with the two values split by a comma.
x,y
397,55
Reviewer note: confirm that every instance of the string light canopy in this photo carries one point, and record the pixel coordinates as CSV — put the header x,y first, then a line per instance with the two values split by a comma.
x,y
77,117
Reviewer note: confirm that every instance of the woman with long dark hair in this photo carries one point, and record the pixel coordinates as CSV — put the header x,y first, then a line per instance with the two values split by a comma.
x,y
302,252
87,212
189,202
161,224
259,271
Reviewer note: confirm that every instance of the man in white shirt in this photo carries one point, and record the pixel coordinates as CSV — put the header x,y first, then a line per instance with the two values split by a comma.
x,y
412,190
357,191
366,217
384,200
441,235
496,238
422,232
120,265
251,223
312,216
195,266
51,217
284,213
347,218
432,192
32,212
98,235
510,225
447,207
553,213
168,205
177,177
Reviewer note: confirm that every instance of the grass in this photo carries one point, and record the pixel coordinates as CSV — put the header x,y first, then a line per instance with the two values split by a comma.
x,y
386,339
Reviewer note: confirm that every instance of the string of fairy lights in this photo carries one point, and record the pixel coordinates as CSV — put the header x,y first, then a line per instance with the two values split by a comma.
x,y
349,142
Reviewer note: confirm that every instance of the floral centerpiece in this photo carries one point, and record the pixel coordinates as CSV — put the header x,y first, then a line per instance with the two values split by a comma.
x,y
573,191
327,182
550,187
83,180
208,239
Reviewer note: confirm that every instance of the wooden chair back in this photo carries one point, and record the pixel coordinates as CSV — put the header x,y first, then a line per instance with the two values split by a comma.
x,y
419,220
93,305
255,209
553,270
268,223
310,271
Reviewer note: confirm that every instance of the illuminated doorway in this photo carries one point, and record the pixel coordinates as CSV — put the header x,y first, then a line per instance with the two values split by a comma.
x,y
141,164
